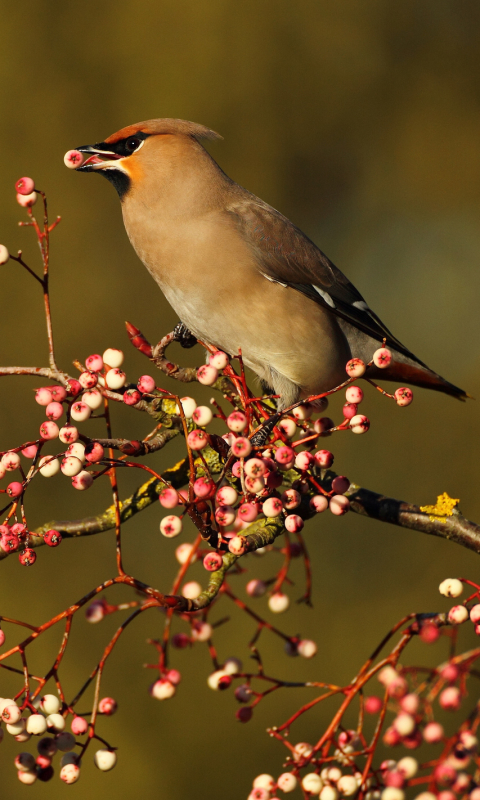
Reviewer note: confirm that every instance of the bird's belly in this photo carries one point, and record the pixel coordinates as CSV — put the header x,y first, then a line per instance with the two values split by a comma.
x,y
283,336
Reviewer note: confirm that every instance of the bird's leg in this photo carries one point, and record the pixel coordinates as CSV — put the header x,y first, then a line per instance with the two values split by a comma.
x,y
260,437
182,335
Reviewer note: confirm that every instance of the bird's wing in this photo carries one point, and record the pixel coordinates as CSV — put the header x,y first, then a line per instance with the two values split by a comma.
x,y
286,256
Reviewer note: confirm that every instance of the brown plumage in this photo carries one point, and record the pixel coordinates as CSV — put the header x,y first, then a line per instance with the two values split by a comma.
x,y
236,271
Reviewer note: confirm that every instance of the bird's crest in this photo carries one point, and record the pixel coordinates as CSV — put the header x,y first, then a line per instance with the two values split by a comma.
x,y
165,126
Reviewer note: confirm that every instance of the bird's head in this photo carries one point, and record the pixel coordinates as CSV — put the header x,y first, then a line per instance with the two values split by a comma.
x,y
122,157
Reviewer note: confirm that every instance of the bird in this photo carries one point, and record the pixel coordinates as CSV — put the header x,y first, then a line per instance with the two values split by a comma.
x,y
239,275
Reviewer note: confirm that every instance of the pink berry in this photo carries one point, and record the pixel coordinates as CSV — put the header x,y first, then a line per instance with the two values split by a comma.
x,y
237,421
359,424
373,704
203,487
202,416
207,375
382,357
410,703
433,732
241,447
70,466
88,380
27,557
171,526
219,360
318,503
293,523
14,489
255,468
248,512
272,507
82,481
457,615
254,485
303,412
324,459
54,410
43,396
73,159
25,185
52,538
450,673
174,676
197,439
162,689
323,426
304,460
475,614
339,505
291,499
26,200
288,426
307,648
107,706
79,725
9,542
80,411
340,484
212,562
59,393
4,254
403,396
237,545
355,368
226,496
283,455
49,430
131,397
94,363
73,387
2,637
168,497
256,588
11,461
354,395
30,451
115,378
146,384
224,515
450,699
349,410
95,611
93,452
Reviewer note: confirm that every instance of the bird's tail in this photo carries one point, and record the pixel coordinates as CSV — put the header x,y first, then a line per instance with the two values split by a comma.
x,y
417,375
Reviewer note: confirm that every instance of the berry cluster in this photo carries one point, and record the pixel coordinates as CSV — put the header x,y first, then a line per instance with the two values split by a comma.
x,y
250,481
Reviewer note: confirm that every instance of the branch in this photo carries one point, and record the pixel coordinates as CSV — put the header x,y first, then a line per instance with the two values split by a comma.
x,y
386,509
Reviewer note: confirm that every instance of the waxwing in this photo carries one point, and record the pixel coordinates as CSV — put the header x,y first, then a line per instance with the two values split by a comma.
x,y
237,272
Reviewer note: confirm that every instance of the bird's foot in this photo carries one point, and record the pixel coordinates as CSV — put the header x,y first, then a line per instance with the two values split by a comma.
x,y
260,437
182,335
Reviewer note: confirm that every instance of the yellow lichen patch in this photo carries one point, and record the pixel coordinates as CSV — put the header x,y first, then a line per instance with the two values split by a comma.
x,y
442,509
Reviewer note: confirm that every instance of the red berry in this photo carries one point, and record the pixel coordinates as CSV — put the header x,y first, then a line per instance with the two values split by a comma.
x,y
25,185
131,397
244,714
52,538
14,489
27,557
212,562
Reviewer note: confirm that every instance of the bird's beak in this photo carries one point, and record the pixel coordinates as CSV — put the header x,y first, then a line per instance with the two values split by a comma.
x,y
97,157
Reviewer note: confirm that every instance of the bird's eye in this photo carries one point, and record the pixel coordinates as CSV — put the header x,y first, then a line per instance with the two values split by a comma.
x,y
132,144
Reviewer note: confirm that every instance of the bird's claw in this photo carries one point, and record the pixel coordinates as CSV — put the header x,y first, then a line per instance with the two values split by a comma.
x,y
260,437
182,335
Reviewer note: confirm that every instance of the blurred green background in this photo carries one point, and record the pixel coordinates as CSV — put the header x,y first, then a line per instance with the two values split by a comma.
x,y
359,121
